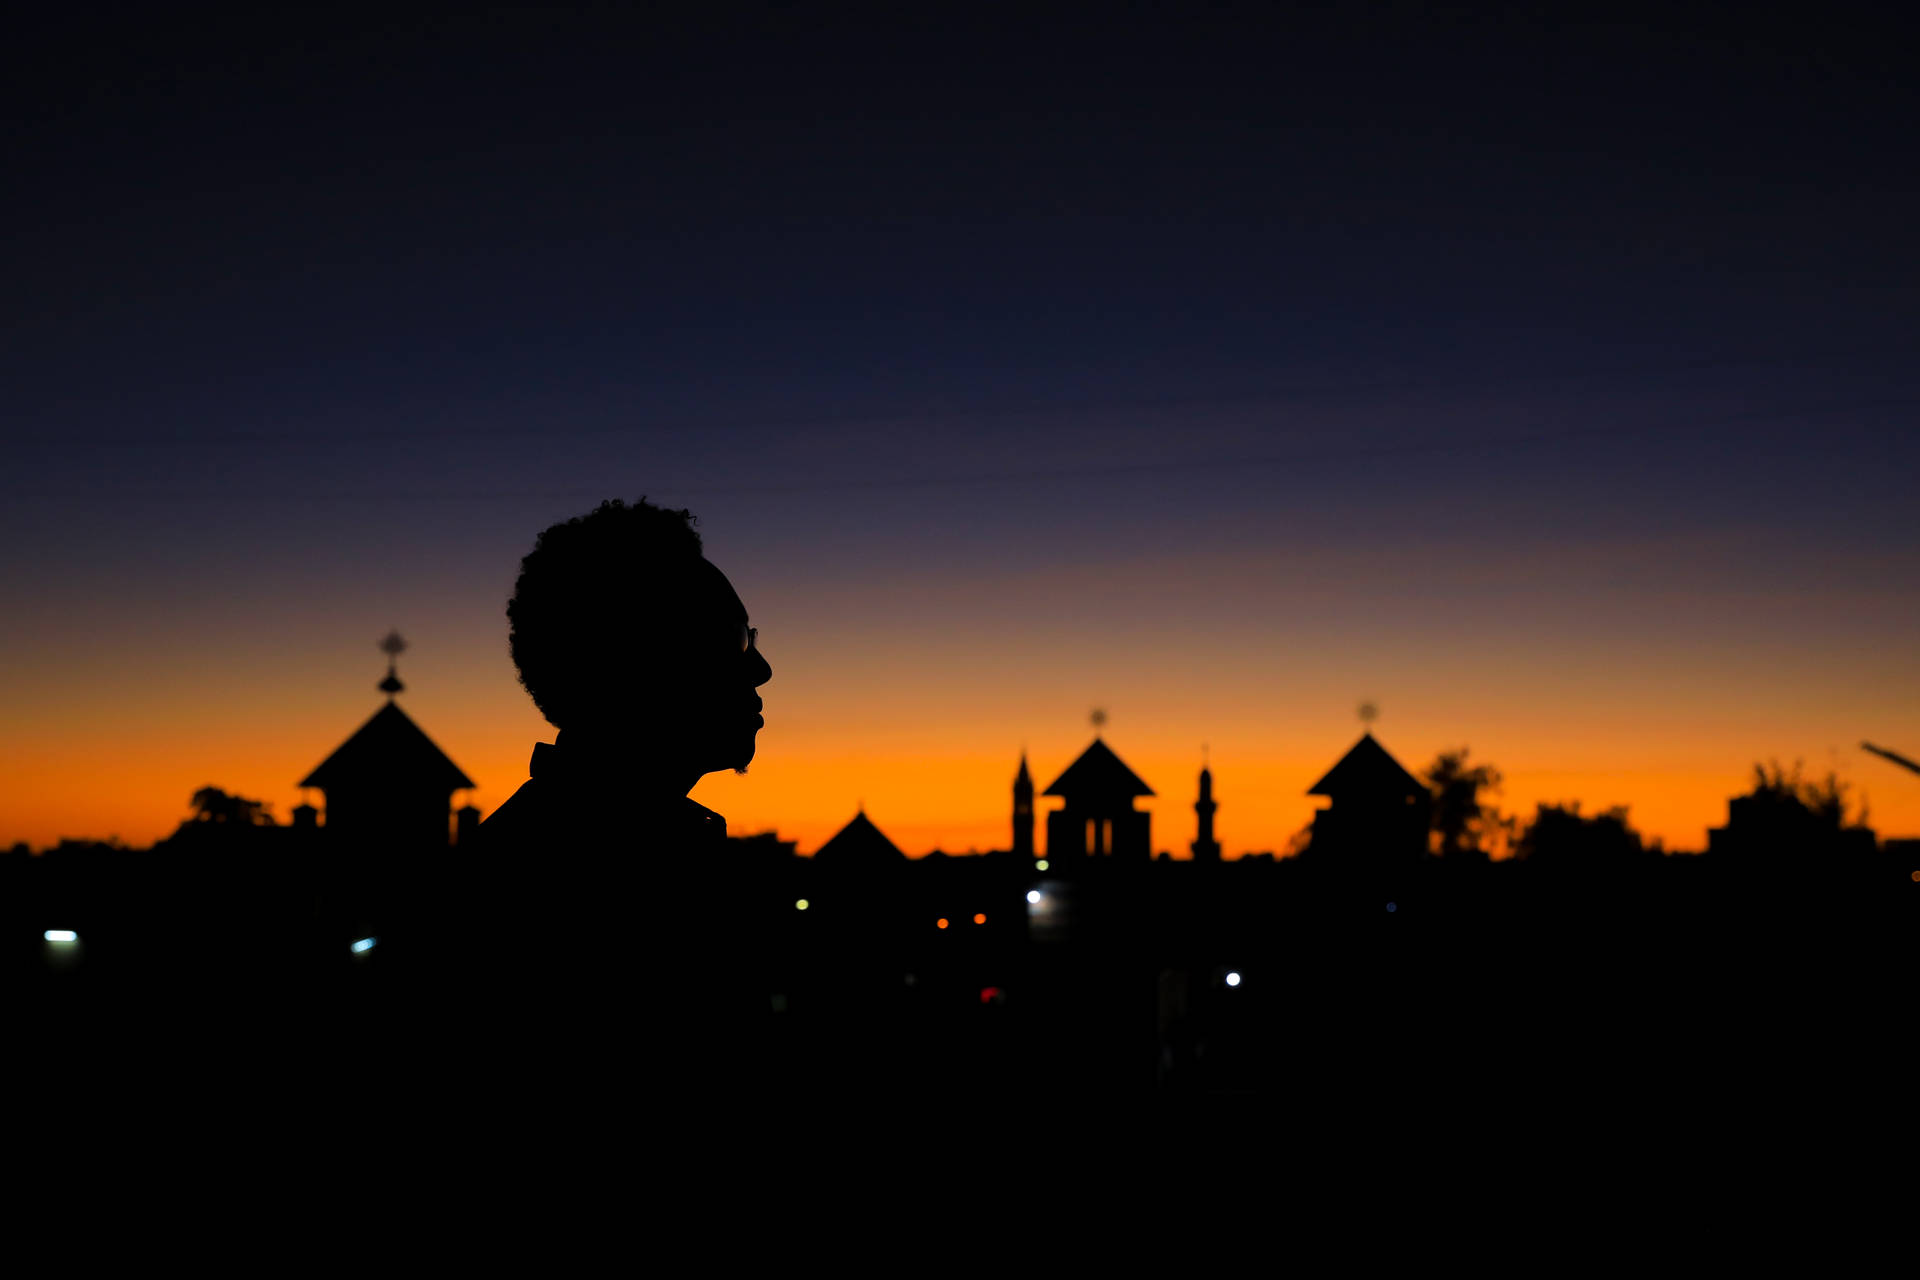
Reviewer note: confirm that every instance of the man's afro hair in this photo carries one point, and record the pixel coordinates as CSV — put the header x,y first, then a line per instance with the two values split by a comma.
x,y
586,585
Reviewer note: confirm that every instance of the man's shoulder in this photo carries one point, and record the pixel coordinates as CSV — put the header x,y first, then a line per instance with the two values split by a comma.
x,y
540,813
515,811
521,817
702,821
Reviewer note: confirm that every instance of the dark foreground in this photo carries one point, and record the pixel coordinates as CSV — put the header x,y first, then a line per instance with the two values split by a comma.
x,y
698,996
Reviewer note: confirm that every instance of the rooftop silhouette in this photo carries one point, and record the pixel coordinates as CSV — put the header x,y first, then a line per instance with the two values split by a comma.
x,y
388,750
1367,772
859,845
1097,775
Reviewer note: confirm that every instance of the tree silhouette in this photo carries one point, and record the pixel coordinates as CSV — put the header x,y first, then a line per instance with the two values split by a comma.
x,y
1561,836
1466,827
1786,821
1825,801
211,804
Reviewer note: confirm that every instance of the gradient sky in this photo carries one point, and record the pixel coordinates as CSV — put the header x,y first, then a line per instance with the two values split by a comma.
x,y
1548,384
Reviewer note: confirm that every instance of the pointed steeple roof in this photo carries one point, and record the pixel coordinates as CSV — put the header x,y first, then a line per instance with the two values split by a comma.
x,y
1367,772
860,843
1098,774
387,749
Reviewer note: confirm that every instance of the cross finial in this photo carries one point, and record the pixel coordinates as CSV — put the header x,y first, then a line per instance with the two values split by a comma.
x,y
393,646
1099,719
1368,714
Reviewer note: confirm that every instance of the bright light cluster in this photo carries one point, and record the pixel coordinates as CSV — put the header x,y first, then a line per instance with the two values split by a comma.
x,y
1233,979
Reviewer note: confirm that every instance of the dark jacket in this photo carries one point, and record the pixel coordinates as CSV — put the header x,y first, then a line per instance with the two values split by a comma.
x,y
591,943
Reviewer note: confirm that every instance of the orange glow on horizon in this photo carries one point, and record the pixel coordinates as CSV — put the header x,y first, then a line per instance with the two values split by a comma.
x,y
136,786
926,722
81,782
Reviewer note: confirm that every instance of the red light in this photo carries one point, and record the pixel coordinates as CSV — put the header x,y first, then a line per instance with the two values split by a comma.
x,y
992,995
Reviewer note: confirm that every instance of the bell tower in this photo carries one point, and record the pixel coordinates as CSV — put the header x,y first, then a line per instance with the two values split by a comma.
x,y
1023,811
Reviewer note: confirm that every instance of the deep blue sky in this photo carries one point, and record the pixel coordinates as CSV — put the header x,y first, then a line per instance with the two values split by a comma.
x,y
328,256
266,223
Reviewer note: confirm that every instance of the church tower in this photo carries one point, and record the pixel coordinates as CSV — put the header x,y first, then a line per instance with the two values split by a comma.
x,y
1376,826
1205,847
1023,811
388,786
1098,818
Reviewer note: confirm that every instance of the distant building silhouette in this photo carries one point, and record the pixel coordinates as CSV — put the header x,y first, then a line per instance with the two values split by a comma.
x,y
1023,810
1098,819
764,844
1903,853
1379,815
388,784
1205,847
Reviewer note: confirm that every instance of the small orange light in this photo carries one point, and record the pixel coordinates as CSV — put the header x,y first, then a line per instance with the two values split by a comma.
x,y
941,923
1916,875
980,919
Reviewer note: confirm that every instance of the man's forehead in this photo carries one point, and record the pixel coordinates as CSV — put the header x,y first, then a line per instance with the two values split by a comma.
x,y
718,593
697,594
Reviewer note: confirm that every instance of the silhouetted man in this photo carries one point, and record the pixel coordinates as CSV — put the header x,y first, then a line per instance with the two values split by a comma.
x,y
597,932
637,649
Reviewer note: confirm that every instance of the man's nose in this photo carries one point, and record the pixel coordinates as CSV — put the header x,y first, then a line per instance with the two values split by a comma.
x,y
762,672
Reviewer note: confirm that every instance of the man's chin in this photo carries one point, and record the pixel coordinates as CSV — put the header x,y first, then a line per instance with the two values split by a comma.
x,y
736,754
739,758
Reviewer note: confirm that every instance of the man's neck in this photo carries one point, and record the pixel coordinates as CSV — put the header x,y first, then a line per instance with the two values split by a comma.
x,y
626,757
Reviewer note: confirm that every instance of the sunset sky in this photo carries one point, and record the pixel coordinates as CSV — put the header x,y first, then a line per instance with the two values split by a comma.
x,y
1548,385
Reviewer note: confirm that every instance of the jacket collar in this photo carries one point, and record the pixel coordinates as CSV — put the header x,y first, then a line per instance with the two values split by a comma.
x,y
568,764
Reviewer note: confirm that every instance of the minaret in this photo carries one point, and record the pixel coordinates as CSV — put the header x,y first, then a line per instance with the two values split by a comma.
x,y
1206,848
1023,811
